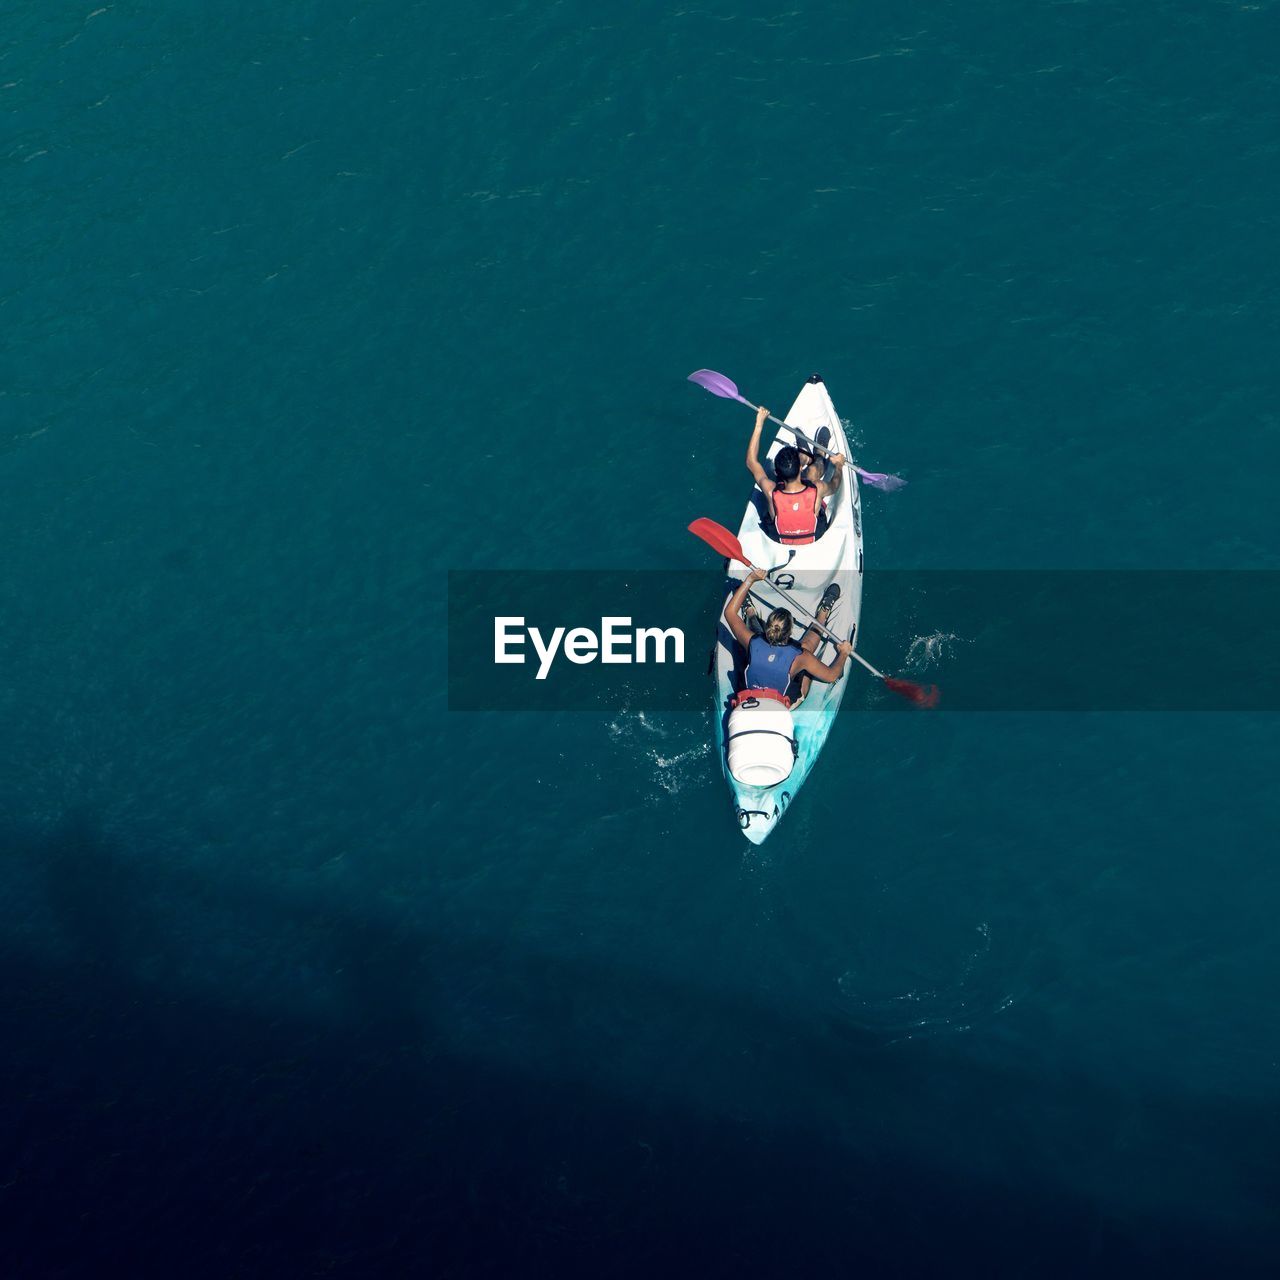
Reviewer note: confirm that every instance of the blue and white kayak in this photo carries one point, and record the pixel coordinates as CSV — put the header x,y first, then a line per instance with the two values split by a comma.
x,y
803,572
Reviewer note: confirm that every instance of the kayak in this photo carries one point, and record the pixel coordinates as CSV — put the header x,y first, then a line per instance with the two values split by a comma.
x,y
803,572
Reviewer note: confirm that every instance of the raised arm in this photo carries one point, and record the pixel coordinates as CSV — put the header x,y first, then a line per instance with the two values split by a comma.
x,y
733,610
828,487
754,464
827,673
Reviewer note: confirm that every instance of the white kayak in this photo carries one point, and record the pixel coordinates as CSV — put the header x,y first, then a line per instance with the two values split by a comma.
x,y
803,572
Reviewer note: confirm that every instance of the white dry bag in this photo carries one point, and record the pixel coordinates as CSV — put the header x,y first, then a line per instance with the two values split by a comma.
x,y
761,742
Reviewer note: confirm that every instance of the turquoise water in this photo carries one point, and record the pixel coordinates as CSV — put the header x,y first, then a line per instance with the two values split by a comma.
x,y
303,307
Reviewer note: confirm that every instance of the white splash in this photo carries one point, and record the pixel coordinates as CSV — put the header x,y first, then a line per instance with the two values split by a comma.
x,y
671,766
674,773
625,725
929,651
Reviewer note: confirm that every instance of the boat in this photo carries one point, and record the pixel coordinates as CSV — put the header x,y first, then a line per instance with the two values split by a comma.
x,y
803,572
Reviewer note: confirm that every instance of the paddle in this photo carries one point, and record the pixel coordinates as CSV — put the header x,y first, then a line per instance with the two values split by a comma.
x,y
718,538
721,386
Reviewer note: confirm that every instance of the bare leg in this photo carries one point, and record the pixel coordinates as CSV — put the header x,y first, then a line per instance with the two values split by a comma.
x,y
812,637
809,642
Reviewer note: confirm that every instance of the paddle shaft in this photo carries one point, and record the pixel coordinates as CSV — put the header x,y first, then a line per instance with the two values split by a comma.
x,y
818,626
727,389
718,538
810,445
821,628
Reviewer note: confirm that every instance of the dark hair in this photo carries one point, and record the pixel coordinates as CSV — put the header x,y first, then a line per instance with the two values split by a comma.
x,y
777,630
786,463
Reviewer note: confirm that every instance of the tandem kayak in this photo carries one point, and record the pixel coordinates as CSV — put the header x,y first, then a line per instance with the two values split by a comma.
x,y
803,572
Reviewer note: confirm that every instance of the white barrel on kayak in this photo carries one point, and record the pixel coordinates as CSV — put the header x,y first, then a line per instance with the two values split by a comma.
x,y
761,742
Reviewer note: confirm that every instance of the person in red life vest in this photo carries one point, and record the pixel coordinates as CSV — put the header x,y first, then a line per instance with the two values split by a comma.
x,y
796,491
776,662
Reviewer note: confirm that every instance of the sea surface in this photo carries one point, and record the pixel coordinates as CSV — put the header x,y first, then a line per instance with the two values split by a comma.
x,y
301,973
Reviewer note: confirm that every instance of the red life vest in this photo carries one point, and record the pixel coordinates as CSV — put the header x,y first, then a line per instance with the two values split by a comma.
x,y
795,515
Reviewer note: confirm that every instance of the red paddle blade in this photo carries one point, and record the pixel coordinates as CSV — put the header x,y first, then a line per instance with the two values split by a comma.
x,y
718,538
923,695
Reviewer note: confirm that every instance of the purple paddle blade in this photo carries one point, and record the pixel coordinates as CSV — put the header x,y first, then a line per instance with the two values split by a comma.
x,y
726,388
717,384
878,480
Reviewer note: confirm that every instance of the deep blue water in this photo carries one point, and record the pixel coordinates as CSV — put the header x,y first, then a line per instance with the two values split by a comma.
x,y
305,305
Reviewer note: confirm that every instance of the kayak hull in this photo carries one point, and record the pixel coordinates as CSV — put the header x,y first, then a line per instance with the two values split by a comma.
x,y
804,572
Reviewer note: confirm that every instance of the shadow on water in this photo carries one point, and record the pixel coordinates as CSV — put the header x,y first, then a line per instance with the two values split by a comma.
x,y
153,1127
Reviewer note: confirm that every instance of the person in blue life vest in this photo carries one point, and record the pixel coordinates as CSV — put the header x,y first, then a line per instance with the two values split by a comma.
x,y
796,491
775,662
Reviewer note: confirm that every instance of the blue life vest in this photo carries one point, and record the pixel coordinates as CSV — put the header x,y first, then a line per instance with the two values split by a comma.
x,y
769,665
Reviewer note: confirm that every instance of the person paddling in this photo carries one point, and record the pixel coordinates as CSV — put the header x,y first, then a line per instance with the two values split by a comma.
x,y
796,492
775,661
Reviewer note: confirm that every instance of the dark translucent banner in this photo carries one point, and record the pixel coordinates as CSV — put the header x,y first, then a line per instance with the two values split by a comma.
x,y
1063,640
